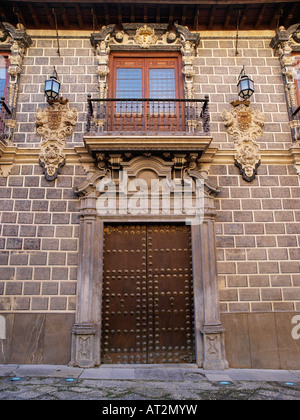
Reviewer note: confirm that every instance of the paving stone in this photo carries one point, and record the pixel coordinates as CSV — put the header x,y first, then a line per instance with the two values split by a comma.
x,y
218,377
126,384
7,369
159,374
67,372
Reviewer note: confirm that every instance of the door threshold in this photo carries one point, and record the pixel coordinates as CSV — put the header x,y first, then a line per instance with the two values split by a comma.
x,y
150,366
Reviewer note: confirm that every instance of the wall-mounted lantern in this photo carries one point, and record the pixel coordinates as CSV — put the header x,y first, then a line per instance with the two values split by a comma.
x,y
52,87
245,85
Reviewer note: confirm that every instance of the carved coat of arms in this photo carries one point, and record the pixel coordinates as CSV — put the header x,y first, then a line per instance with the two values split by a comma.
x,y
244,120
54,124
145,36
245,125
56,121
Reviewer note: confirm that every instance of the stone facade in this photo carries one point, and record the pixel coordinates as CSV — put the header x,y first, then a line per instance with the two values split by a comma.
x,y
257,233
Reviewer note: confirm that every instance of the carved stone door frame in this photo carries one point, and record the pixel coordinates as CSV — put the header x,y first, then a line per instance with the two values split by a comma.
x,y
86,332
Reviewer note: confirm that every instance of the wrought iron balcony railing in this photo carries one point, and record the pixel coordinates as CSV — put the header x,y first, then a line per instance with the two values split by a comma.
x,y
4,113
148,116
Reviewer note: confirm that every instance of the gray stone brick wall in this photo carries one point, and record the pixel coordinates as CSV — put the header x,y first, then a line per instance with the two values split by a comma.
x,y
257,227
39,226
258,239
76,68
217,70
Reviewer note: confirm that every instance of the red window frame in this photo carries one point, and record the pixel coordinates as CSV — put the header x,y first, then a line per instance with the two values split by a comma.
x,y
296,64
160,115
145,61
5,93
7,64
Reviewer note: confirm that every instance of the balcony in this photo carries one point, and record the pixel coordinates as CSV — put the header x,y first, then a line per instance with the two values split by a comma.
x,y
147,125
137,117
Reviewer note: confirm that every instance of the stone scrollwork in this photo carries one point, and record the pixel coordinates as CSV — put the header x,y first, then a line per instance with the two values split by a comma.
x,y
54,124
247,159
51,159
245,125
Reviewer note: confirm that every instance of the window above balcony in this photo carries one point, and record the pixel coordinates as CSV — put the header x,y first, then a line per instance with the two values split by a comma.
x,y
146,88
155,76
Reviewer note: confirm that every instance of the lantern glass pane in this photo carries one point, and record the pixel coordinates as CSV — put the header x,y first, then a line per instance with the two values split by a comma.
x,y
52,88
48,85
55,86
244,84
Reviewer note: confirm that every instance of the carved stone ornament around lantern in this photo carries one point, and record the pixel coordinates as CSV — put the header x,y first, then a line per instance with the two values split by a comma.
x,y
245,125
54,124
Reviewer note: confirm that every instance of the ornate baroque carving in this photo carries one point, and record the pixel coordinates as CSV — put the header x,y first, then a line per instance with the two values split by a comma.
x,y
16,41
145,36
284,43
137,37
147,166
245,125
54,124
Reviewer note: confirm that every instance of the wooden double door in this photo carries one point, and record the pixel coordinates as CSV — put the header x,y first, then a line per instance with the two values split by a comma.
x,y
147,307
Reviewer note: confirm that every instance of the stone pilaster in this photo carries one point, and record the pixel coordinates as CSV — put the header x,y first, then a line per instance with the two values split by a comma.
x,y
285,43
16,41
212,328
86,333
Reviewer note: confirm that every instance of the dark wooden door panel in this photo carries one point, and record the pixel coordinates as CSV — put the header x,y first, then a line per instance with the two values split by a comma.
x,y
124,307
147,295
170,271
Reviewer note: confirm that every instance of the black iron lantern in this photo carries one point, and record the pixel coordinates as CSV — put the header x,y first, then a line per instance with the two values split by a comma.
x,y
245,85
52,87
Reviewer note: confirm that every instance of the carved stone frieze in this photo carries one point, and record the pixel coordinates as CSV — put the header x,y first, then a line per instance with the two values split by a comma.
x,y
245,125
54,124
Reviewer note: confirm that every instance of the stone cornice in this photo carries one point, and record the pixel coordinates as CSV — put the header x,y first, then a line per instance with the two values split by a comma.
x,y
146,143
11,155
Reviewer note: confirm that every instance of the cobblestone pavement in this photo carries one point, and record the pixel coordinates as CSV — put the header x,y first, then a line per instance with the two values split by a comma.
x,y
164,384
